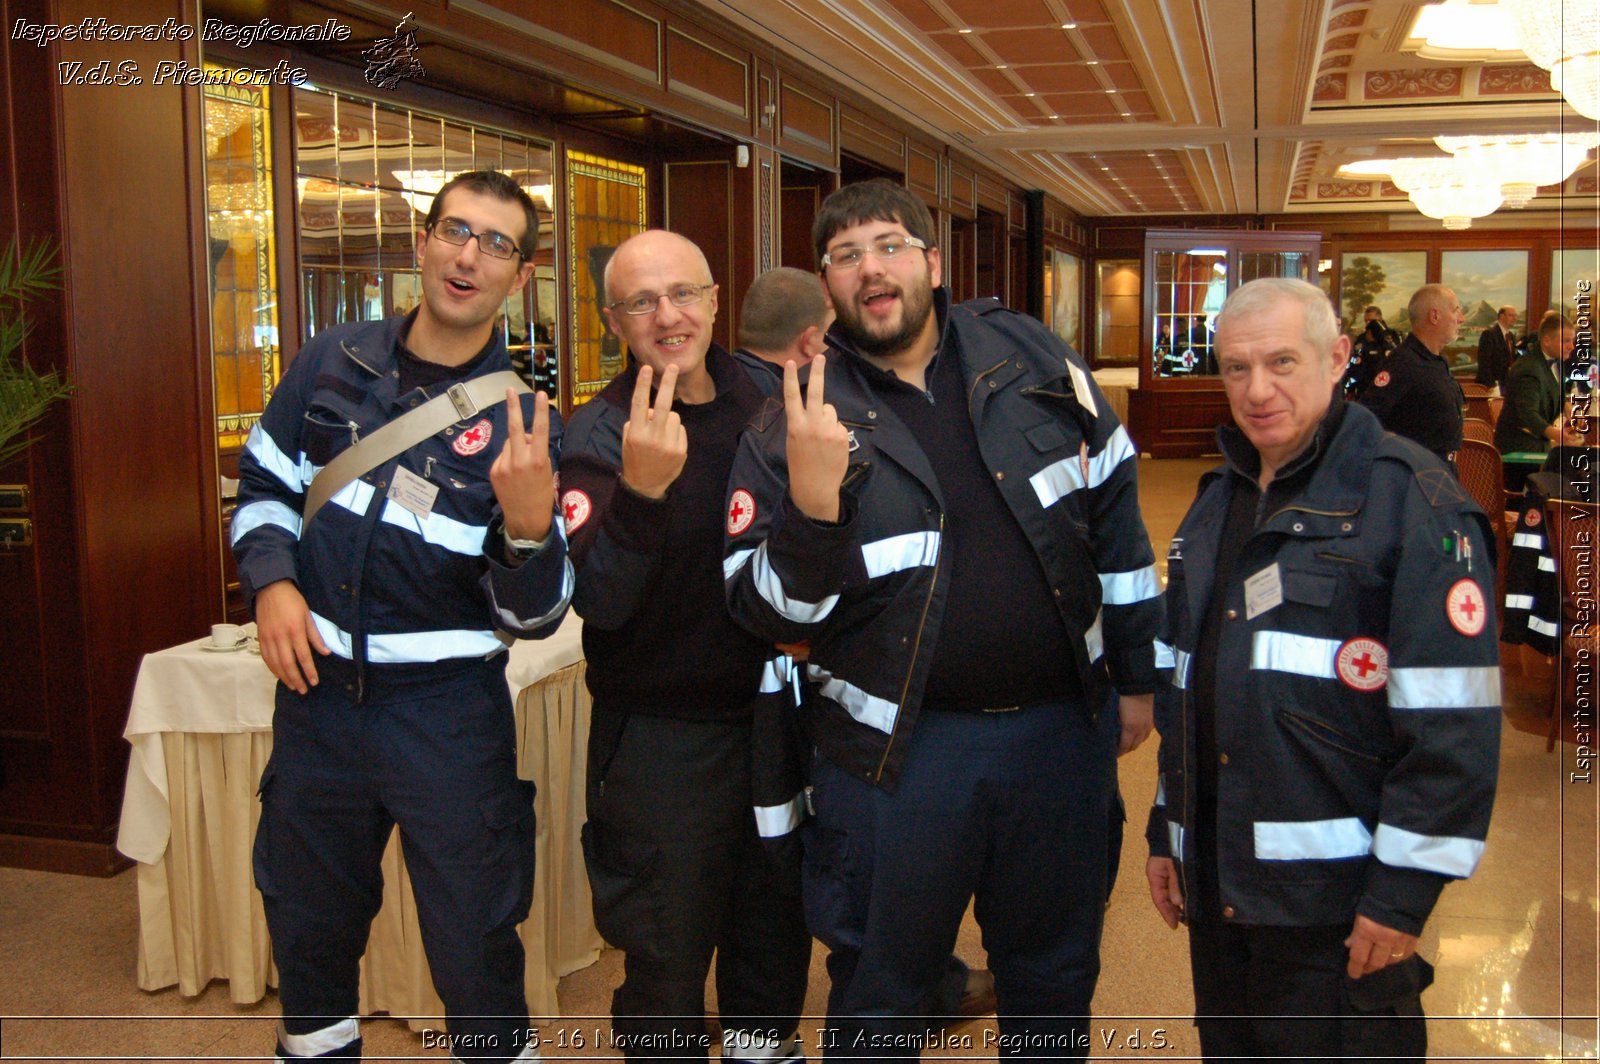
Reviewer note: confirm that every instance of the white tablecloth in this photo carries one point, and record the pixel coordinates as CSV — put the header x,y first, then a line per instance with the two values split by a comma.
x,y
200,728
1116,382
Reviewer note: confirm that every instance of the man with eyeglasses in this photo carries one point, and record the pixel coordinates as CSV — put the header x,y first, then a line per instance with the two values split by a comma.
x,y
694,763
948,514
385,621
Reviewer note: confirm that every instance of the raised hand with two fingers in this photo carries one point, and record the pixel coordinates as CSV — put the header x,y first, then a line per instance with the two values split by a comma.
x,y
521,475
654,443
818,444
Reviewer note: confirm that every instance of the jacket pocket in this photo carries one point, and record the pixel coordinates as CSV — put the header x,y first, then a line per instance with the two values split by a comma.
x,y
325,432
1324,734
1309,588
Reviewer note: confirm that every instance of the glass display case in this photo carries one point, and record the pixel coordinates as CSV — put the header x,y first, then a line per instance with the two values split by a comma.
x,y
1190,273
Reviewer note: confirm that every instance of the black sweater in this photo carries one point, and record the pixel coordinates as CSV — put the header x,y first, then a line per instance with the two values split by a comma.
x,y
656,633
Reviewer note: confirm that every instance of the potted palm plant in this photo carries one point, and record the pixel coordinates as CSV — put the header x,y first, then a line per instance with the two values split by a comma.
x,y
25,394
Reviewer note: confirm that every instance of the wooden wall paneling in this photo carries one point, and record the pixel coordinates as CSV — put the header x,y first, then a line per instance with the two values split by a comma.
x,y
38,584
1177,423
993,194
961,188
135,566
960,261
750,238
922,171
623,38
808,122
699,204
990,267
868,136
710,72
798,211
766,103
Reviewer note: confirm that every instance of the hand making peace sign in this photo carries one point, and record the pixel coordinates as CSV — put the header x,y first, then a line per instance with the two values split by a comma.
x,y
654,443
521,475
819,446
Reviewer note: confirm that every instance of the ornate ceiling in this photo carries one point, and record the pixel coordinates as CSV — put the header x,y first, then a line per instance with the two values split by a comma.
x,y
1129,107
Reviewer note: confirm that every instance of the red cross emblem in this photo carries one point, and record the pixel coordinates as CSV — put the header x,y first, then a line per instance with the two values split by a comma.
x,y
1382,379
575,509
1532,518
741,511
1465,607
1363,664
475,439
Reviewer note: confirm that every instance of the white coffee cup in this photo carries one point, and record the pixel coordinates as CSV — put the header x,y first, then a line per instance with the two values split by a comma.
x,y
226,635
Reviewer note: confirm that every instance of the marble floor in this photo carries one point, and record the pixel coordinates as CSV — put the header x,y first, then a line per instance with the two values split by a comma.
x,y
1514,946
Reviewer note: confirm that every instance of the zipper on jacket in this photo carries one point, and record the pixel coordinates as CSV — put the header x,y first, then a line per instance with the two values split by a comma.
x,y
1309,510
973,391
1048,394
915,648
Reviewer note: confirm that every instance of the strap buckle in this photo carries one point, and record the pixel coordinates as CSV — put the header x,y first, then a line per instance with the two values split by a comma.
x,y
464,405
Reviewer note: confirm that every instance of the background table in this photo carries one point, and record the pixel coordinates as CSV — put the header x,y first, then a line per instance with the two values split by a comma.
x,y
1116,382
201,730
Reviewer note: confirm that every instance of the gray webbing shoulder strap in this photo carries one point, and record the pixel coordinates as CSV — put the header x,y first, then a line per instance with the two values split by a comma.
x,y
460,401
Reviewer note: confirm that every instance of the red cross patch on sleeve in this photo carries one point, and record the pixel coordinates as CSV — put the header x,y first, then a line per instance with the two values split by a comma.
x,y
741,511
1382,379
1363,664
1532,518
575,509
1465,607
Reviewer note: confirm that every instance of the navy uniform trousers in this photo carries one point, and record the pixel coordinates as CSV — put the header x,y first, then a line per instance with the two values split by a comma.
x,y
436,755
1013,809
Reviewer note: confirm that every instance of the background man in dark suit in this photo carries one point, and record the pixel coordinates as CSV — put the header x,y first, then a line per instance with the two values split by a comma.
x,y
1531,420
1496,349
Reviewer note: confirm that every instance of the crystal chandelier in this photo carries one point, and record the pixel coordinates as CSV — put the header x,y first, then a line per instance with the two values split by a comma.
x,y
1563,37
1522,163
1439,186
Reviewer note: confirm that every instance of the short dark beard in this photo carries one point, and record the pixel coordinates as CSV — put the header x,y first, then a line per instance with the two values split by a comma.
x,y
913,321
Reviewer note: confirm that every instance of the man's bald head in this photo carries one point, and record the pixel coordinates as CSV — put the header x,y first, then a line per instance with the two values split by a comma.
x,y
661,301
652,244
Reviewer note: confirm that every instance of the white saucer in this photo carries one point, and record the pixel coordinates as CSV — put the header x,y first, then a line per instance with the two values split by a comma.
x,y
213,648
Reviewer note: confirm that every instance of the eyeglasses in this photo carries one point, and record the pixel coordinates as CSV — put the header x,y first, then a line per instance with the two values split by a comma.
x,y
848,257
682,295
493,244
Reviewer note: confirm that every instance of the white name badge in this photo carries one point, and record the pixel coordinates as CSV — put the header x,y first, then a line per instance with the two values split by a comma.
x,y
412,492
1263,591
1080,388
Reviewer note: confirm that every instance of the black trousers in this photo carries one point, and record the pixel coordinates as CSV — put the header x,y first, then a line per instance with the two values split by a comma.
x,y
1277,992
678,874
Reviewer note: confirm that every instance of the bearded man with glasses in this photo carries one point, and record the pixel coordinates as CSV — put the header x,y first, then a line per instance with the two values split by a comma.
x,y
948,513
